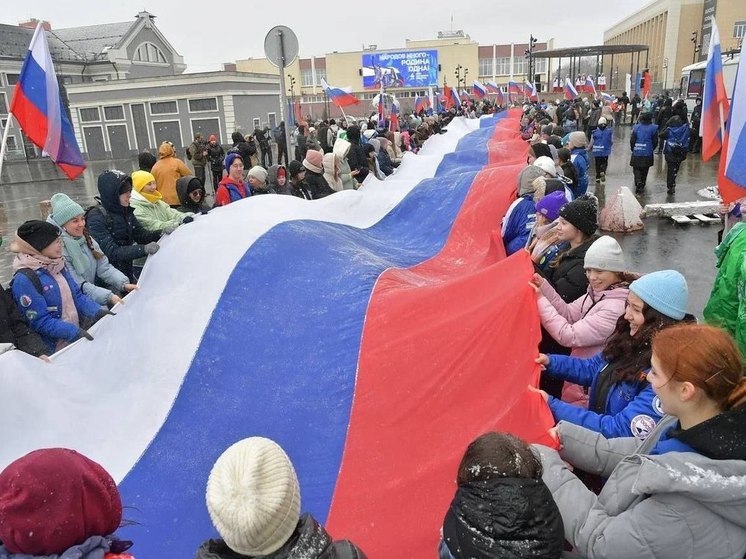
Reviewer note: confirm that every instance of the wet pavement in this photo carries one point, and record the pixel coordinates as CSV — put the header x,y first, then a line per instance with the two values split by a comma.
x,y
662,244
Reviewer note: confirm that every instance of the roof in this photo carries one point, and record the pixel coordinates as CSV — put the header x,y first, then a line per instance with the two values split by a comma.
x,y
597,50
72,44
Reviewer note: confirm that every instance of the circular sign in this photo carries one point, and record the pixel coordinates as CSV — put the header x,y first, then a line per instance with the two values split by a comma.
x,y
281,46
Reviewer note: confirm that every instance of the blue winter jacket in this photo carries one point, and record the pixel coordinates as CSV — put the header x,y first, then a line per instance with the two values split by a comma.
x,y
602,142
629,409
43,312
676,137
644,140
519,221
579,158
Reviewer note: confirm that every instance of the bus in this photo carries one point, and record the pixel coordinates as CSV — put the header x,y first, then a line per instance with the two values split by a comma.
x,y
693,78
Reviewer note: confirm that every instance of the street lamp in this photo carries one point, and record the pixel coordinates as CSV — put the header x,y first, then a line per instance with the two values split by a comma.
x,y
529,52
458,75
292,86
695,37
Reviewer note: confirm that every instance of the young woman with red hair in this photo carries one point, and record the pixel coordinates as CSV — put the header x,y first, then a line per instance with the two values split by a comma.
x,y
682,492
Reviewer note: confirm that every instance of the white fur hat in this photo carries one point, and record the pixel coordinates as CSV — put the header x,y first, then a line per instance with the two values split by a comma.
x,y
253,497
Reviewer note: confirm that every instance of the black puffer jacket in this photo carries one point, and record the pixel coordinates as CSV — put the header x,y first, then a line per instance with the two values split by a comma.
x,y
309,541
116,228
13,329
568,278
356,158
186,204
504,518
317,184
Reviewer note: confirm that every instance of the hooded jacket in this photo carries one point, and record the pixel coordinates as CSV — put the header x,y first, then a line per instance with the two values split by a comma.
x,y
116,229
726,307
568,276
155,216
335,182
186,203
272,183
356,157
309,541
505,518
673,505
585,324
341,150
166,171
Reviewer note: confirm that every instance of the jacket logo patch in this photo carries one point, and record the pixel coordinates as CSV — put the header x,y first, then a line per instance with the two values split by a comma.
x,y
657,407
31,315
25,301
641,426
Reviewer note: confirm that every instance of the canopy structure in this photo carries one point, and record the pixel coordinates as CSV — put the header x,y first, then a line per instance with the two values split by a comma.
x,y
574,54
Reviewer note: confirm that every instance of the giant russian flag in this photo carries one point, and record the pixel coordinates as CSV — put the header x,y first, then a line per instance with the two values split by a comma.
x,y
732,167
37,107
373,334
341,97
714,100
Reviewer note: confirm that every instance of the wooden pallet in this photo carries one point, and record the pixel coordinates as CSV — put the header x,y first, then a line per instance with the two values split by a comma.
x,y
696,218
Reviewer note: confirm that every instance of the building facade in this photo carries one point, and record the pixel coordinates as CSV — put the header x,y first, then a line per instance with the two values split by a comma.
x,y
126,91
453,55
678,33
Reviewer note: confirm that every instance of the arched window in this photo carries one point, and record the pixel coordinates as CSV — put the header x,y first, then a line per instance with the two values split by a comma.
x,y
148,52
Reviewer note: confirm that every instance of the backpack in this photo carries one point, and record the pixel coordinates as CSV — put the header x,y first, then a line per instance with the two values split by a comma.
x,y
676,141
107,215
32,277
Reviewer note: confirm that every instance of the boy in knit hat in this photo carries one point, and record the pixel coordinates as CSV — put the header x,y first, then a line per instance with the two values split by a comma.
x,y
253,498
579,158
257,179
79,521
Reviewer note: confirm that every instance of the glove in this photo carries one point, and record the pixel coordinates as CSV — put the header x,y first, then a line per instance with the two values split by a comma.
x,y
168,229
151,248
102,313
187,219
83,334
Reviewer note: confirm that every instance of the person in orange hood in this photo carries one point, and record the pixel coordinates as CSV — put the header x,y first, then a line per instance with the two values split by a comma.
x,y
167,171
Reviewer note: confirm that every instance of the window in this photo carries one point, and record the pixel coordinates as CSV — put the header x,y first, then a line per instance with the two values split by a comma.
x,y
148,52
257,123
89,115
320,75
114,113
3,104
272,117
164,108
739,30
503,66
12,78
520,66
12,145
540,65
485,67
306,78
201,105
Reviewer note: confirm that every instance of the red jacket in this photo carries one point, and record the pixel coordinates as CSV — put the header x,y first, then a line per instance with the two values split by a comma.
x,y
230,190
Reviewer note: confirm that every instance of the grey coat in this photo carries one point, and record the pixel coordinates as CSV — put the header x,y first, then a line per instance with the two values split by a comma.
x,y
676,505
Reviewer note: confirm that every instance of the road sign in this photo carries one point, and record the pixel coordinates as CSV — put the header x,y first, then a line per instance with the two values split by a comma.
x,y
281,46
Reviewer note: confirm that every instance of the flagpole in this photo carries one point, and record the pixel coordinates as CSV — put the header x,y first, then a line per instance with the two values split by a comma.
x,y
5,141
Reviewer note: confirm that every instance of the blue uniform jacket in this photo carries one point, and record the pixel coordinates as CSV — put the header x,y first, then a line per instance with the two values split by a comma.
x,y
602,141
644,140
519,221
43,312
630,410
579,159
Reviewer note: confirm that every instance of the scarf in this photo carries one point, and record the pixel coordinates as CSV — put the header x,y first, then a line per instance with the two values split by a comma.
x,y
152,198
75,248
28,257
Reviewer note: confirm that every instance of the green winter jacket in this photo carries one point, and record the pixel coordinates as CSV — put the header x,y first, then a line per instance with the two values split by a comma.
x,y
727,304
156,217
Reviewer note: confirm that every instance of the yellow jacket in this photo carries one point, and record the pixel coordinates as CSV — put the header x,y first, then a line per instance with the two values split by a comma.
x,y
167,170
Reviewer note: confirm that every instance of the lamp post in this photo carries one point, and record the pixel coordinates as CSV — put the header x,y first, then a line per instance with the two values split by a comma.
x,y
694,39
529,52
458,74
292,94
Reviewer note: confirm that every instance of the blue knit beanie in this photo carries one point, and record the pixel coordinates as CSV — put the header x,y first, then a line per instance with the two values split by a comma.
x,y
665,291
64,209
229,161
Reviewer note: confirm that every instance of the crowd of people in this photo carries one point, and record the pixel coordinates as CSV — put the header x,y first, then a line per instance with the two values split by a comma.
x,y
650,407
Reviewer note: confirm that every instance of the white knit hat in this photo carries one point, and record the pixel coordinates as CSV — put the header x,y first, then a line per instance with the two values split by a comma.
x,y
605,254
253,497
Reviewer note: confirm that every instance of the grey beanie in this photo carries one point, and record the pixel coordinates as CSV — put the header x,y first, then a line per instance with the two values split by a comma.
x,y
605,254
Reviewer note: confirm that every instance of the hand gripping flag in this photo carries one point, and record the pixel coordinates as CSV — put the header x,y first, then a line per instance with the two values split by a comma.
x,y
732,168
570,91
715,99
37,107
375,416
340,96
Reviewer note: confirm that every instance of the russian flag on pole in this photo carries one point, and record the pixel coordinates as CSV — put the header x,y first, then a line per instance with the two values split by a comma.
x,y
500,96
421,104
492,87
715,99
375,417
732,179
479,90
37,107
514,88
570,91
340,96
590,87
529,90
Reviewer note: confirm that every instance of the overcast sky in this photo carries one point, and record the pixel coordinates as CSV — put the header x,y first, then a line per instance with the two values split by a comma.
x,y
207,33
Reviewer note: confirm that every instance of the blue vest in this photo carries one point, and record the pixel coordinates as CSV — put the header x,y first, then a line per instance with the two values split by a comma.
x,y
644,134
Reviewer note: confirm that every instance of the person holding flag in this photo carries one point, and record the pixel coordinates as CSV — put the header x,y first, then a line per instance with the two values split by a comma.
x,y
38,109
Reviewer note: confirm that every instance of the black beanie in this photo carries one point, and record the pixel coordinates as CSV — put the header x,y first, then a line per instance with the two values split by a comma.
x,y
39,234
194,184
295,167
582,213
146,160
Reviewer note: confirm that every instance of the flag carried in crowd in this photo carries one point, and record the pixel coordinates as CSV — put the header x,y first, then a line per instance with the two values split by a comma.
x,y
340,96
732,167
394,117
479,90
570,91
514,89
529,90
421,104
465,96
590,87
38,109
714,100
492,87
